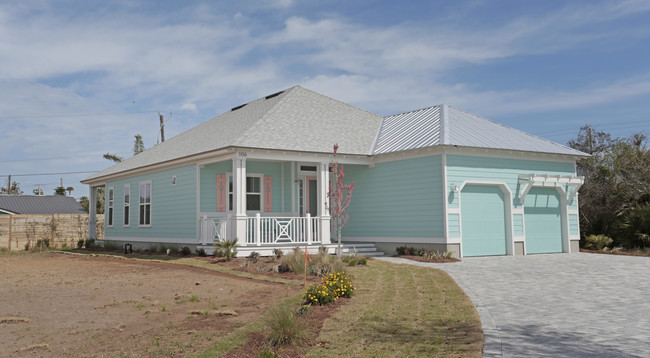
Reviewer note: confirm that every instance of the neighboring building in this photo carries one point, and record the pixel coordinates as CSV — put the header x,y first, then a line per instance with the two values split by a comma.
x,y
39,204
437,177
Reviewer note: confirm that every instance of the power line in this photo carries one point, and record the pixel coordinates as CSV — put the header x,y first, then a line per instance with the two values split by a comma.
x,y
60,173
75,115
53,158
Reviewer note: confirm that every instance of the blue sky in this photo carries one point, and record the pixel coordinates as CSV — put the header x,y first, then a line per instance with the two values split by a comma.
x,y
81,78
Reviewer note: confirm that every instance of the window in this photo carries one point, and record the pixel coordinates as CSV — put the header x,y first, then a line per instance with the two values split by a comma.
x,y
110,206
127,204
145,204
253,193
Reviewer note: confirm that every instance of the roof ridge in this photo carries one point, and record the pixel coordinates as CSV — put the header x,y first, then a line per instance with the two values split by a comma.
x,y
374,143
515,129
413,111
259,121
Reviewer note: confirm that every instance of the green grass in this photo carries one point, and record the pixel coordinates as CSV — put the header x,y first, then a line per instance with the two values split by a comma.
x,y
402,311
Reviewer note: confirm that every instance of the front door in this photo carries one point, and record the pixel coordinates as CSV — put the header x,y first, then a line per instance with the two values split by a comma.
x,y
310,196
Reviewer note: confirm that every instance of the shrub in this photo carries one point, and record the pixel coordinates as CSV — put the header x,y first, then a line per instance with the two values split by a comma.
x,y
278,253
323,250
597,242
201,252
253,257
228,248
635,227
400,250
81,243
432,255
448,254
283,267
283,328
42,244
421,251
295,260
185,251
90,243
332,287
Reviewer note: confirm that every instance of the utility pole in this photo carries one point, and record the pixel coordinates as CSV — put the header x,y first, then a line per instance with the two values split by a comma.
x,y
162,127
62,182
9,185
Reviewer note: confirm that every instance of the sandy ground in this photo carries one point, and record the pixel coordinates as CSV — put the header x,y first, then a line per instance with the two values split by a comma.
x,y
87,306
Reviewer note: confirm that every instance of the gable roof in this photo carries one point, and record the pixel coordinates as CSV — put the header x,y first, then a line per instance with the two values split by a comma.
x,y
40,204
447,125
295,119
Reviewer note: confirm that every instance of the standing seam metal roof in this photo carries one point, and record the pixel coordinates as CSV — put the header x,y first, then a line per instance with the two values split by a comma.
x,y
40,204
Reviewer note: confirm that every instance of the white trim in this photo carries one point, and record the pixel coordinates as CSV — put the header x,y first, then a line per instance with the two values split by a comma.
x,y
110,207
293,188
198,199
309,157
282,186
414,240
228,192
7,212
125,205
445,201
140,184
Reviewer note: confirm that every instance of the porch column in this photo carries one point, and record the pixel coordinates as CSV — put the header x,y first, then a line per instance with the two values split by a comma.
x,y
239,198
92,212
323,200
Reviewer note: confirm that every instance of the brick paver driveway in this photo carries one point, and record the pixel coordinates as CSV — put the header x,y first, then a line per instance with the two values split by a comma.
x,y
558,305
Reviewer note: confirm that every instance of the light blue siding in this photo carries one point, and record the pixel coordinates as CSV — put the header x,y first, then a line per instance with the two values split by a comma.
x,y
209,181
209,184
396,199
173,207
453,223
461,168
483,218
574,228
518,224
543,222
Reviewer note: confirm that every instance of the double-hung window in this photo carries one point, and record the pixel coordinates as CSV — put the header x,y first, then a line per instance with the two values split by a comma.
x,y
109,219
253,193
145,204
127,204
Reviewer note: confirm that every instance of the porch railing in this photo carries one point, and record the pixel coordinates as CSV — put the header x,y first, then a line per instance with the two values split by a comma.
x,y
213,229
270,230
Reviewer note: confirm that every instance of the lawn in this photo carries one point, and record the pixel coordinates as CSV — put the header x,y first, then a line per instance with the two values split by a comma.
x,y
98,304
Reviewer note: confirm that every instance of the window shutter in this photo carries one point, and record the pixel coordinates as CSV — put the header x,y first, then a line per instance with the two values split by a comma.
x,y
268,193
222,192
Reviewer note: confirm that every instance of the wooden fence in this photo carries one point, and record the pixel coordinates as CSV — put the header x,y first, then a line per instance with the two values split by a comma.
x,y
17,231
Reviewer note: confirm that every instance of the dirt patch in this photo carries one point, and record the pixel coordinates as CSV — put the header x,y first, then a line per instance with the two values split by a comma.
x,y
264,266
311,322
422,259
82,305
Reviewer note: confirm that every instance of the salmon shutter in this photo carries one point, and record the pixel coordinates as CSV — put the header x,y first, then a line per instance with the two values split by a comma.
x,y
222,192
268,193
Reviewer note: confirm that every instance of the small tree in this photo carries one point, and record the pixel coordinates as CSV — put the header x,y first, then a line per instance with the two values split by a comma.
x,y
69,190
138,146
59,190
15,189
115,158
340,195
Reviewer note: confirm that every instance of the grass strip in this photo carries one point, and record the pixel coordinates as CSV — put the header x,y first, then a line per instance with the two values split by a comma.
x,y
402,310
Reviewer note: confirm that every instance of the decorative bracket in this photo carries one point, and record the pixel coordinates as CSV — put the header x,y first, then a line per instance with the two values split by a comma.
x,y
571,184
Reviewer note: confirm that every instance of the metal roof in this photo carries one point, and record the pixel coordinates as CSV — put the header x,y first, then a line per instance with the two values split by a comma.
x,y
40,204
447,125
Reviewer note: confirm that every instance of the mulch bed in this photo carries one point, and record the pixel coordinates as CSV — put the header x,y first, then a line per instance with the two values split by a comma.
x,y
311,321
262,267
623,253
423,259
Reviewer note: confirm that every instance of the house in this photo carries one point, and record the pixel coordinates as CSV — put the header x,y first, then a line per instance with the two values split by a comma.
x,y
437,177
39,204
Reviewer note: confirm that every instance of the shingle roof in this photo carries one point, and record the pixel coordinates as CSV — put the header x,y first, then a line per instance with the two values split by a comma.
x,y
294,119
40,204
447,125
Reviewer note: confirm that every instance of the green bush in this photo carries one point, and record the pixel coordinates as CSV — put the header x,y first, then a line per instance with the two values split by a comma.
x,y
90,243
185,251
278,253
42,244
332,287
597,242
228,248
401,250
353,261
201,252
283,327
253,257
635,227
81,243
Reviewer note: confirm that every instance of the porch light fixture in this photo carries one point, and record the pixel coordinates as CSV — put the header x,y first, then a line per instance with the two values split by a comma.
x,y
174,180
453,187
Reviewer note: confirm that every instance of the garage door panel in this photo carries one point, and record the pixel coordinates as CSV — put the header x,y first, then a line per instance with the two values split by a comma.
x,y
542,216
483,220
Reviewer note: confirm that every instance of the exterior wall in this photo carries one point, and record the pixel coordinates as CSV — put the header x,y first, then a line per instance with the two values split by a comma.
x,y
396,201
463,169
208,174
173,207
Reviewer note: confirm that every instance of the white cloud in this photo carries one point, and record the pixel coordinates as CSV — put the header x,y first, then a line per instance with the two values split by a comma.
x,y
189,107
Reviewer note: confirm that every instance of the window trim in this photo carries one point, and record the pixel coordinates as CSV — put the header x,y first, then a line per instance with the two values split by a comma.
x,y
140,204
229,177
110,207
126,218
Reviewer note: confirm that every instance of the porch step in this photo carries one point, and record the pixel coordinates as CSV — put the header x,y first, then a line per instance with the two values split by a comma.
x,y
361,249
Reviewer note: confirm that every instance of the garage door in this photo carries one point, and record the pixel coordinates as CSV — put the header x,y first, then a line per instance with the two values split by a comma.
x,y
543,221
483,220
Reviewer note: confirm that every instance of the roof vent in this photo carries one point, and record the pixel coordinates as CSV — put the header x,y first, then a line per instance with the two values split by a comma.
x,y
273,95
238,107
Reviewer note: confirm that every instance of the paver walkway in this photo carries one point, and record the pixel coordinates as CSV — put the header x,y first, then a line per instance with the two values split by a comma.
x,y
558,305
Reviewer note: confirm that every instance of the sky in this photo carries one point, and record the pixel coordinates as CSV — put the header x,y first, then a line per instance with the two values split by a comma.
x,y
82,78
